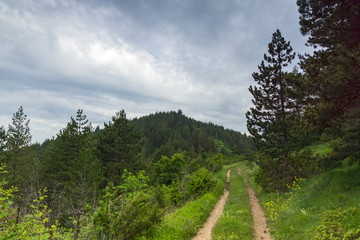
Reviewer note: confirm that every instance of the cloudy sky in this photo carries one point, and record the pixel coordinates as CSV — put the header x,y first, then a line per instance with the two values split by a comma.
x,y
142,56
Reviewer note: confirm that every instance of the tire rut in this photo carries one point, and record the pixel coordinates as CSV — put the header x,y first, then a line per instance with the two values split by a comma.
x,y
261,232
205,232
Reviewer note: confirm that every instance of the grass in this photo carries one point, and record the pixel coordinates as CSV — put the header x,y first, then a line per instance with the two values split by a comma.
x,y
321,148
236,220
184,223
330,193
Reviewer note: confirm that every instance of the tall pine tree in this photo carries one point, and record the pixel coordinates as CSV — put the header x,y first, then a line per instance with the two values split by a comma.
x,y
267,120
18,136
120,147
72,172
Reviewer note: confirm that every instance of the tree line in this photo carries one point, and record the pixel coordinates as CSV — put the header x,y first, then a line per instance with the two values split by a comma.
x,y
318,100
114,182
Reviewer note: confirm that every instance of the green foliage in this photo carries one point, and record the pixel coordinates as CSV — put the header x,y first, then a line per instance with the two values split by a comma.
x,y
329,23
331,74
18,134
33,225
133,183
199,183
72,171
278,203
166,133
125,211
276,173
184,222
168,170
120,147
339,224
215,163
268,121
299,218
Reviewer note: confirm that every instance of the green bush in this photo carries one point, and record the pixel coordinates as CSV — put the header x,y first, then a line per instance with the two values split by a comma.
x,y
199,182
339,224
276,173
32,226
126,211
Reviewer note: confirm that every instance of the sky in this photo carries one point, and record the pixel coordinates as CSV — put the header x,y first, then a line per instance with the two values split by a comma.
x,y
143,56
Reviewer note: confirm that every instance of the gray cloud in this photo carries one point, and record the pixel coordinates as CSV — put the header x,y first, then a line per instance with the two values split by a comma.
x,y
141,56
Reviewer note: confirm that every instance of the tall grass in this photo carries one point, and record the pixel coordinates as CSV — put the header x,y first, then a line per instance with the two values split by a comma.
x,y
185,222
236,220
331,193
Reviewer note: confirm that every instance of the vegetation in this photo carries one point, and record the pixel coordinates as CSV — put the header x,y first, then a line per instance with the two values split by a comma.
x,y
159,176
184,222
107,183
325,206
166,133
317,101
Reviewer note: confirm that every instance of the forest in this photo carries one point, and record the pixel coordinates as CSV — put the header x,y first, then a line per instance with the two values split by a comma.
x,y
114,182
120,181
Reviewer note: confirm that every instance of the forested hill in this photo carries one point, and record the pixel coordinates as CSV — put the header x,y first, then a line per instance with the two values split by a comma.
x,y
168,132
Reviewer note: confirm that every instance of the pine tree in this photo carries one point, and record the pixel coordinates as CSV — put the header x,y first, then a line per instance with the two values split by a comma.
x,y
23,165
330,23
72,172
332,73
120,147
18,136
267,120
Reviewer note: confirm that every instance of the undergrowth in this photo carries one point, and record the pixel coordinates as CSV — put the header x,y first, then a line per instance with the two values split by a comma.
x,y
184,223
325,206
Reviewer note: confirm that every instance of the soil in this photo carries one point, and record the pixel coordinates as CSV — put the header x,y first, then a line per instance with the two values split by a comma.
x,y
259,220
205,232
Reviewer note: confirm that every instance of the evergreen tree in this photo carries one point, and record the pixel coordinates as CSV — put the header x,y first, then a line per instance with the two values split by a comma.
x,y
18,136
333,72
330,23
267,120
22,162
120,147
72,172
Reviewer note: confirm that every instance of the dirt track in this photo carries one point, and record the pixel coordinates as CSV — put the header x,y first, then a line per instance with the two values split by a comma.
x,y
205,232
261,232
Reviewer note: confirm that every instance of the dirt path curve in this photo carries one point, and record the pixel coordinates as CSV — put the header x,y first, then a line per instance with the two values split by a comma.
x,y
261,232
205,232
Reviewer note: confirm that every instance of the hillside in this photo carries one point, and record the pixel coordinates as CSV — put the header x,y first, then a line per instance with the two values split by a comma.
x,y
165,133
322,206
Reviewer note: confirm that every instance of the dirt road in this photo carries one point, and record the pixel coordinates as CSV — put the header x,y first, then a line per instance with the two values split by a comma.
x,y
261,232
205,232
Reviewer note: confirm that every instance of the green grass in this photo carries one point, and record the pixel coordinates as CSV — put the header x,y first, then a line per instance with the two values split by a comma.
x,y
184,223
236,220
335,190
321,148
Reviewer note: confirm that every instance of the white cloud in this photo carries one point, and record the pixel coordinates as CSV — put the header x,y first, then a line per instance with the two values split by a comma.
x,y
59,56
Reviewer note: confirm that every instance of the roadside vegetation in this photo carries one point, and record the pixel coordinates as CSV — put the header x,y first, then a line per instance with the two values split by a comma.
x,y
323,206
184,222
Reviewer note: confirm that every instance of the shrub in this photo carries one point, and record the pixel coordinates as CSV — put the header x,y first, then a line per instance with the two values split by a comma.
x,y
276,173
126,211
199,182
33,225
339,224
277,203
